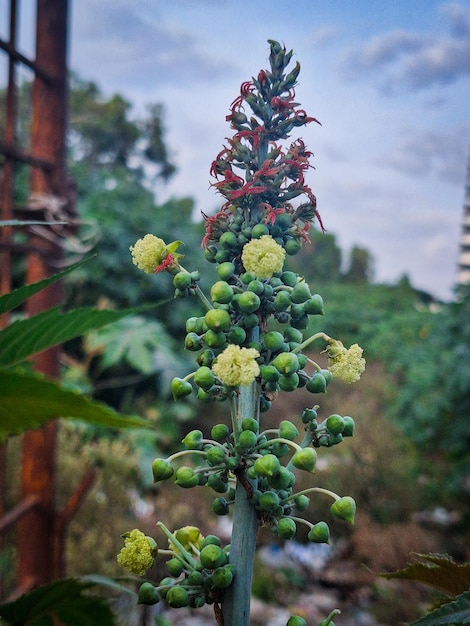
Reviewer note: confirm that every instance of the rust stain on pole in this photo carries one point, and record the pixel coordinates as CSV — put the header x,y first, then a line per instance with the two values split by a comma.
x,y
36,545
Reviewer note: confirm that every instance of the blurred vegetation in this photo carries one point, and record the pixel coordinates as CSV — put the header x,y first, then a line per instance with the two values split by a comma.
x,y
411,452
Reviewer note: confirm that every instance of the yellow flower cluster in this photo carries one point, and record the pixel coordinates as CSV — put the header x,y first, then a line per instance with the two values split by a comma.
x,y
236,366
263,257
138,553
148,253
345,364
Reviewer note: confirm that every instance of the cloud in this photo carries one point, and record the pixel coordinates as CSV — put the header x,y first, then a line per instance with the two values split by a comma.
x,y
402,58
136,48
430,153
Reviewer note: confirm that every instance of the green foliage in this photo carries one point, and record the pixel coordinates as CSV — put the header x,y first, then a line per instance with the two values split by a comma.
x,y
61,600
441,572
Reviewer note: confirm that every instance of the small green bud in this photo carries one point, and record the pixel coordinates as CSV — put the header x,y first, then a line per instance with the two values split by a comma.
x,y
284,479
296,620
293,334
301,502
161,470
220,506
305,459
223,576
180,388
247,439
256,286
226,270
267,465
220,432
308,416
215,456
348,430
218,320
286,528
237,335
335,424
287,430
249,423
286,363
289,278
175,567
212,557
282,301
317,383
192,342
195,578
181,281
269,501
344,508
221,292
210,540
215,339
273,340
314,305
177,597
216,482
186,478
148,594
300,293
193,440
289,382
248,302
206,358
204,378
319,533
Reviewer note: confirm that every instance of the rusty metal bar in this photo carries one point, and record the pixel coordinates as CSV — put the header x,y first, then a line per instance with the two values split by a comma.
x,y
18,511
36,545
16,154
17,57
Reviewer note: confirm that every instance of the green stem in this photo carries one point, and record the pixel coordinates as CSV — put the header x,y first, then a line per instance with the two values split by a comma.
x,y
236,601
310,340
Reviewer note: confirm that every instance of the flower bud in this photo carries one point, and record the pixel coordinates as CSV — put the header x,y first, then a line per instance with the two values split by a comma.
x,y
147,594
344,508
320,533
175,567
212,557
193,440
296,620
269,501
204,378
223,576
220,432
186,478
317,383
161,470
305,459
267,465
221,292
180,388
335,424
220,506
286,528
286,363
300,293
287,430
314,305
218,320
348,429
177,597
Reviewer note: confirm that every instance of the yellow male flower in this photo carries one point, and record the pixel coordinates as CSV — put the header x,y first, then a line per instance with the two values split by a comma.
x,y
138,553
152,255
236,366
263,257
345,364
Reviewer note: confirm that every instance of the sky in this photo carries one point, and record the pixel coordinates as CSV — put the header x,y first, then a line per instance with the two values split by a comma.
x,y
389,82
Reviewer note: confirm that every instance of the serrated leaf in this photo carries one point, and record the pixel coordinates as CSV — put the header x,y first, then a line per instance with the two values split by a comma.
x,y
437,570
27,337
455,613
29,401
62,599
10,301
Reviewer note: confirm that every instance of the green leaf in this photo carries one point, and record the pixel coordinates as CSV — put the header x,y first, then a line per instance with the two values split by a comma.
x,y
453,613
438,570
27,337
11,300
28,223
29,401
62,599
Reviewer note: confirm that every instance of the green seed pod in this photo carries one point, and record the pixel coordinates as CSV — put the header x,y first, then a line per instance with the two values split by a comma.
x,y
193,440
192,342
300,293
246,278
314,305
248,302
317,383
273,340
293,334
220,432
231,463
258,231
218,320
191,324
210,540
287,430
204,378
237,335
282,301
181,280
195,578
319,533
177,597
249,423
289,382
221,292
215,456
217,484
296,620
301,502
344,508
249,321
269,500
289,278
186,478
228,240
309,415
222,255
284,479
206,358
267,465
279,449
222,577
348,430
180,388
305,459
220,506
175,567
335,424
292,246
269,373
214,339
247,439
161,470
286,363
212,557
148,595
256,286
286,528
302,322
226,270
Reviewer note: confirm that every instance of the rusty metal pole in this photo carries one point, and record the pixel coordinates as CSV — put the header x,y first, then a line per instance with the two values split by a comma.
x,y
39,558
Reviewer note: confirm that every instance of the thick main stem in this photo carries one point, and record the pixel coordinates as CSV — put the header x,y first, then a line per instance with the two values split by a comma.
x,y
236,603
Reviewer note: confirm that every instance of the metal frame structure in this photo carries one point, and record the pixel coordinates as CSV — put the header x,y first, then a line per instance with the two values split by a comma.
x,y
40,527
